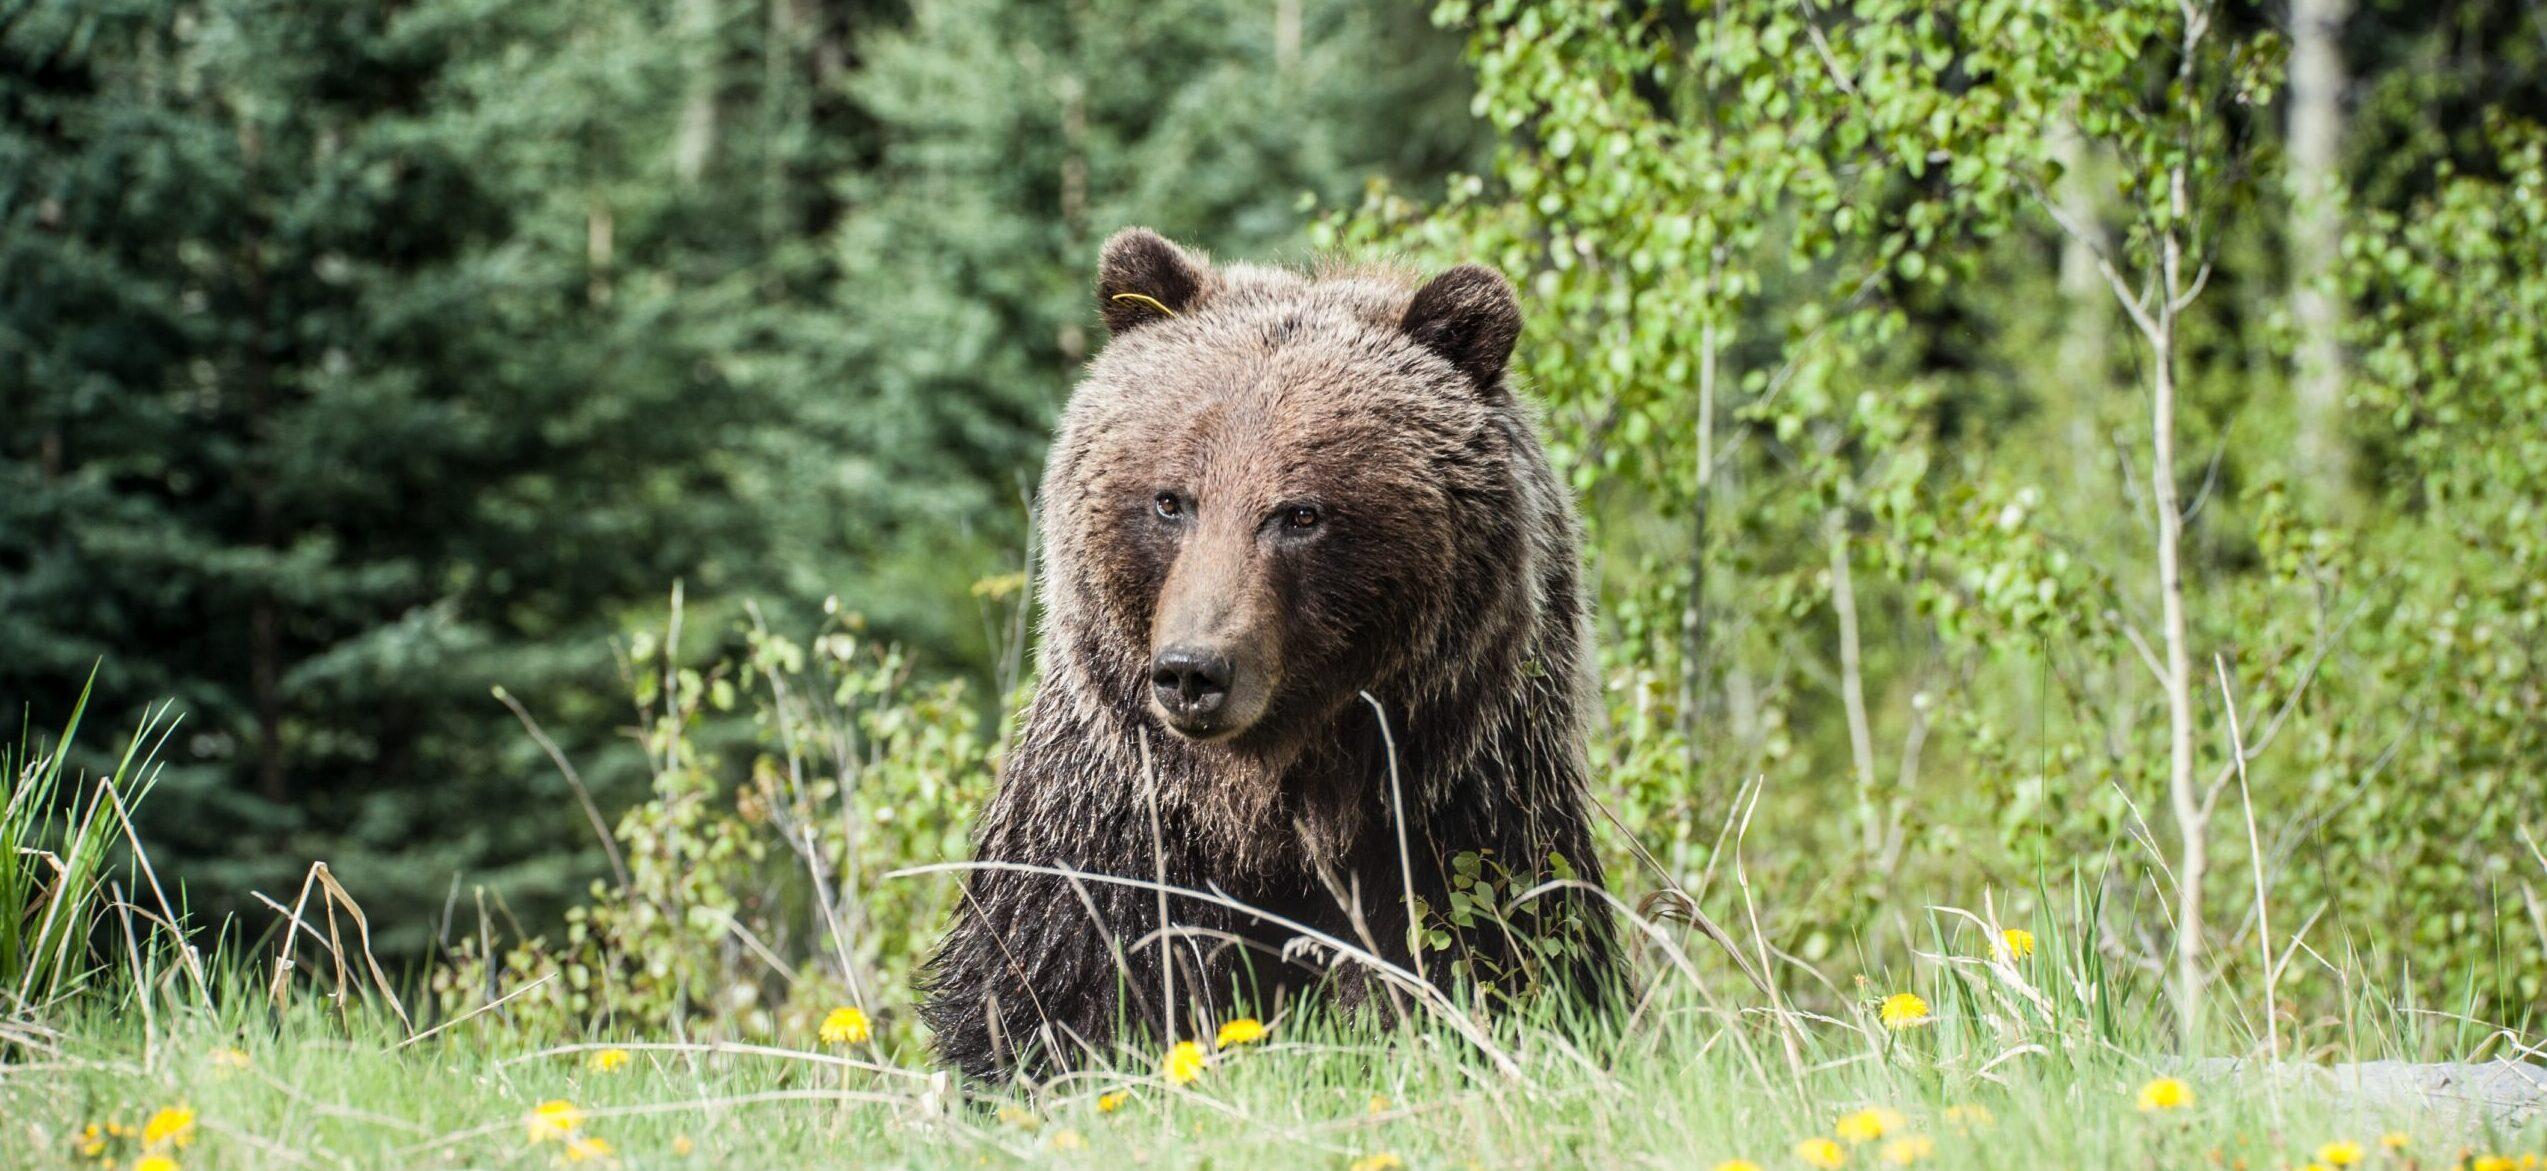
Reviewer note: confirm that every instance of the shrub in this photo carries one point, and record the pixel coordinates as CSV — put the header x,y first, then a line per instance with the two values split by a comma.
x,y
749,893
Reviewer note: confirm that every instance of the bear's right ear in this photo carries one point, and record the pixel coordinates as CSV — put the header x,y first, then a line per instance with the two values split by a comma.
x,y
1141,278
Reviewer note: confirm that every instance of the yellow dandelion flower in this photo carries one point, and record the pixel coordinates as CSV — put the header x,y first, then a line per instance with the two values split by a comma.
x,y
1903,1010
1908,1149
229,1059
2019,940
846,1025
2165,1093
1113,1100
681,1145
92,1141
1245,1030
1865,1126
999,586
155,1163
1379,1162
553,1119
2491,1163
1067,1140
1737,1165
2395,1140
172,1127
1183,1063
606,1060
2341,1153
1974,1117
585,1148
1019,1117
1377,1105
1822,1153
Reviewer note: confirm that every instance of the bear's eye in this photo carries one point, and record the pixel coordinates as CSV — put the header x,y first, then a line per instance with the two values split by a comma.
x,y
1169,507
1300,517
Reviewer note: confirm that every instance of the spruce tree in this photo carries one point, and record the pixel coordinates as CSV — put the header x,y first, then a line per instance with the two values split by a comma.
x,y
345,410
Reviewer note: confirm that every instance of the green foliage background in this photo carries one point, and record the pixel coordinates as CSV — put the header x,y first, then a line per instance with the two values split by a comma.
x,y
358,359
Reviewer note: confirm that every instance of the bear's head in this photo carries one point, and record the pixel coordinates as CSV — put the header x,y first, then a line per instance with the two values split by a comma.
x,y
1275,491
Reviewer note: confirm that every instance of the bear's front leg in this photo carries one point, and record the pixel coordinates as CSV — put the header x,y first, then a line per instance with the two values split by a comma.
x,y
1040,972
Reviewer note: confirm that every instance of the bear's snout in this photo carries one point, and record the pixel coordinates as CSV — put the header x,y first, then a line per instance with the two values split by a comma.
x,y
1205,692
1191,684
1215,641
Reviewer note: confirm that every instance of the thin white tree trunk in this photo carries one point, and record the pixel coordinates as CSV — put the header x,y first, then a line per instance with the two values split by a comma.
x,y
1861,737
2155,307
2316,237
600,246
695,138
1694,616
2192,818
2086,317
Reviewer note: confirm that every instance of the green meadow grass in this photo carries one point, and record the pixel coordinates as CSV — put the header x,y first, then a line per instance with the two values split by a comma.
x,y
1687,1084
58,836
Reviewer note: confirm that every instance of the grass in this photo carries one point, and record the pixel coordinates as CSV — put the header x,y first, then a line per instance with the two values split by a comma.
x,y
2027,1062
56,839
312,1089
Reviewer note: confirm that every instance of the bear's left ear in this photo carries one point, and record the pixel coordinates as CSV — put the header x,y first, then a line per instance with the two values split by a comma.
x,y
1470,317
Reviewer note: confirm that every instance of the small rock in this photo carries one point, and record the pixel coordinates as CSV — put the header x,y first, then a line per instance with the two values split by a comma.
x,y
2502,1093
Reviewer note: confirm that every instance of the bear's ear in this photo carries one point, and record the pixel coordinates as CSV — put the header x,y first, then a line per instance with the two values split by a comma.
x,y
1470,317
1141,278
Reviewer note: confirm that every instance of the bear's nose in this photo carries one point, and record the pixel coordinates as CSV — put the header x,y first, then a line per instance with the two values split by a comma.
x,y
1190,682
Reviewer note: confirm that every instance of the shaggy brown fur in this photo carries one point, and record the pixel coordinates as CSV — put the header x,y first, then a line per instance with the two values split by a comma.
x,y
1271,494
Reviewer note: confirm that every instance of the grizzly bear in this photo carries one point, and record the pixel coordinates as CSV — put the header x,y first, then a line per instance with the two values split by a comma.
x,y
1315,641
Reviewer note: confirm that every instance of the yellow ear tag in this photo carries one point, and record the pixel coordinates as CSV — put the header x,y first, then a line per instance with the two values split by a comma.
x,y
1144,299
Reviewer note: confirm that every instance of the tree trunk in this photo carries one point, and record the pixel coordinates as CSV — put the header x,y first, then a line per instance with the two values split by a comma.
x,y
1693,616
1852,680
2316,238
265,655
695,23
2192,825
265,642
2192,818
600,236
2086,316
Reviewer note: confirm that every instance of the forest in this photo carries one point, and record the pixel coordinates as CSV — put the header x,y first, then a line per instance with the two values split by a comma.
x,y
2065,491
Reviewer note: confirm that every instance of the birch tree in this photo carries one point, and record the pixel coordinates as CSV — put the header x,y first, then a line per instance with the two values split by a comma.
x,y
2316,186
